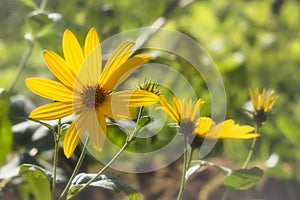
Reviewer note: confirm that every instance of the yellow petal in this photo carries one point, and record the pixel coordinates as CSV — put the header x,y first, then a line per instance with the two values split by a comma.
x,y
136,98
59,68
75,131
124,71
116,109
97,129
170,111
49,89
228,129
52,111
204,125
117,58
93,57
72,51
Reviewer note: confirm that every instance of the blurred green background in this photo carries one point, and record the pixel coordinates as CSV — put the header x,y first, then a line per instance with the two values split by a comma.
x,y
253,43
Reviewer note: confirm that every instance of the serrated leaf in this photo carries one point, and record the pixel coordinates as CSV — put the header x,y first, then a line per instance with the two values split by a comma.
x,y
37,181
108,182
243,179
5,126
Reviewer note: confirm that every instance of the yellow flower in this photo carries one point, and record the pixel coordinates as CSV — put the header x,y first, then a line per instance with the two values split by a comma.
x,y
185,114
263,101
260,104
87,90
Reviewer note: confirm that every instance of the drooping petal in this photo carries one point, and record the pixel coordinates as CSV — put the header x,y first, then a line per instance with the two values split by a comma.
x,y
75,131
228,129
136,98
59,68
97,129
117,58
116,109
124,71
49,89
55,110
170,111
72,51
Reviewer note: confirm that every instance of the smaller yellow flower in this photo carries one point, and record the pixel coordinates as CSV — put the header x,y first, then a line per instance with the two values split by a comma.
x,y
186,115
263,101
260,104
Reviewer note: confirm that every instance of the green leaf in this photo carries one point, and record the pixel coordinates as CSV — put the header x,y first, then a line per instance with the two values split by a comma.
x,y
5,126
243,179
140,125
108,182
37,181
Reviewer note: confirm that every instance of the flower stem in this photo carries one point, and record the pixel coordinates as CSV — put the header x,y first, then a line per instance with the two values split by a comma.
x,y
251,149
127,142
101,171
76,169
56,137
187,156
22,64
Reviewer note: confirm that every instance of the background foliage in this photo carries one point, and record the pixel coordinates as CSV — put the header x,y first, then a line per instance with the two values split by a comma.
x,y
253,43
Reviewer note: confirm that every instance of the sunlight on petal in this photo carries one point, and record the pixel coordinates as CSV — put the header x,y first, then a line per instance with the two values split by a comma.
x,y
59,68
72,51
124,71
228,129
49,89
136,98
75,131
52,111
170,111
117,58
116,109
97,129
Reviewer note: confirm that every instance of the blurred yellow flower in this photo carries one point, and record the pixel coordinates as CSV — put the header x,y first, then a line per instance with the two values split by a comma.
x,y
87,90
263,101
260,104
186,115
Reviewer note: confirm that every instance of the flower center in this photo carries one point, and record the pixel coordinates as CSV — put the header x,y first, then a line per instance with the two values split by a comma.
x,y
93,96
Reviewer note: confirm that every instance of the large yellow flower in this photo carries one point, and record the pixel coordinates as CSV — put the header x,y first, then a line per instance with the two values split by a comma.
x,y
87,90
186,115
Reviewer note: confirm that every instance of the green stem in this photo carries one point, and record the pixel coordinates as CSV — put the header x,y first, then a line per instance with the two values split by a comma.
x,y
101,171
249,156
22,64
76,169
55,157
251,149
187,156
127,142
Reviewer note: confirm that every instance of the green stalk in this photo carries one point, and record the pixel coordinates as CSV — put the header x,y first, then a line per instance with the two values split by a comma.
x,y
187,156
101,171
22,64
76,169
127,142
251,149
55,157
